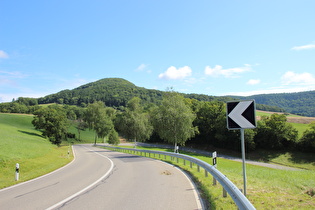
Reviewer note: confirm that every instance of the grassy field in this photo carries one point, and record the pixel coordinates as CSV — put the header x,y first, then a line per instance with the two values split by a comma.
x,y
299,122
265,113
21,143
266,188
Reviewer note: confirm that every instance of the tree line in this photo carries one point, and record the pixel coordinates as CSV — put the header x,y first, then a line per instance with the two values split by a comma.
x,y
176,120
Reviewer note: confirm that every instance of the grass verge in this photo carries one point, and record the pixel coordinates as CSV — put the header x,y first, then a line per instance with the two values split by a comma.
x,y
20,143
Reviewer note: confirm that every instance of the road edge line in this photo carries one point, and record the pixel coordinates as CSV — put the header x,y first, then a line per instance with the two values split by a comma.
x,y
86,188
42,176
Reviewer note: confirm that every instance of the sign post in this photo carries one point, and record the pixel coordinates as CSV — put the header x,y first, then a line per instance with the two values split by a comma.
x,y
241,115
214,163
214,159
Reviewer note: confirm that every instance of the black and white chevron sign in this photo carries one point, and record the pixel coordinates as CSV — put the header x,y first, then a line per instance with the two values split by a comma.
x,y
241,114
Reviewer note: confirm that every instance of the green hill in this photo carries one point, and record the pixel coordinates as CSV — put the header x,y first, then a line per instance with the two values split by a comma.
x,y
113,91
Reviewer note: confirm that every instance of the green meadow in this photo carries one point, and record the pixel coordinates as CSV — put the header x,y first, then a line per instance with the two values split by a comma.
x,y
21,143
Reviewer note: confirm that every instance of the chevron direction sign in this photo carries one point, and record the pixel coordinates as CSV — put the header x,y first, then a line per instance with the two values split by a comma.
x,y
241,114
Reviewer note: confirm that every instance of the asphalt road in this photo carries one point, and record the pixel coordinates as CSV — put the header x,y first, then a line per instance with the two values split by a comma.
x,y
102,179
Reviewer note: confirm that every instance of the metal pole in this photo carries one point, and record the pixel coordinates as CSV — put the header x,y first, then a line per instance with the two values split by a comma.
x,y
243,158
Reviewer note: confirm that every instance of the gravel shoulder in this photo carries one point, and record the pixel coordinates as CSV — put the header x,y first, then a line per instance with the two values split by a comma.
x,y
187,149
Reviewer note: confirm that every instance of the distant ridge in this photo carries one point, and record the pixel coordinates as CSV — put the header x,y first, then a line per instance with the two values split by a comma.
x,y
300,103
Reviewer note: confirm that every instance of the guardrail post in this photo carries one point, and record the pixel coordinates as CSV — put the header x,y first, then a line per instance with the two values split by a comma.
x,y
198,167
224,193
184,162
190,164
206,173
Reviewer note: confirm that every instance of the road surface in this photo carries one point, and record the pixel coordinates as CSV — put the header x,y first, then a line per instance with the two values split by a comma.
x,y
102,179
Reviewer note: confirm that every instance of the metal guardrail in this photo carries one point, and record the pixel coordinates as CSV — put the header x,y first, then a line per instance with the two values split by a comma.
x,y
239,198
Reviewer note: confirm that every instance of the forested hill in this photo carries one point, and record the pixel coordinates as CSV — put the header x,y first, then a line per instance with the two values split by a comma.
x,y
301,103
114,92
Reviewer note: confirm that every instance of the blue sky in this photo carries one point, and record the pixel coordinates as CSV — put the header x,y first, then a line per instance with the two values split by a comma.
x,y
232,47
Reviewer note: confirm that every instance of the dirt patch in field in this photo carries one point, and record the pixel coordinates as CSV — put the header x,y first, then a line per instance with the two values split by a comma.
x,y
302,120
122,140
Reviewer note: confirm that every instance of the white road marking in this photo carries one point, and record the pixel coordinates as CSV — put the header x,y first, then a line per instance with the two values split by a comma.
x,y
91,185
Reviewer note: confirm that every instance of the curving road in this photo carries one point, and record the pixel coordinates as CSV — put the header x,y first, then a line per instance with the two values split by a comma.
x,y
102,179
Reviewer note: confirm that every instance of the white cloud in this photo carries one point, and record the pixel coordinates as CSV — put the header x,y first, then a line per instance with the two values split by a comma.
x,y
304,47
231,72
253,82
3,54
291,82
174,73
294,78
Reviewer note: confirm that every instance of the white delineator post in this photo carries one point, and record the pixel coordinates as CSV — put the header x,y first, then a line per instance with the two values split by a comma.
x,y
17,172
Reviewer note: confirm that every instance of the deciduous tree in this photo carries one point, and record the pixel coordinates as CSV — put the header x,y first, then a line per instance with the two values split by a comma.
x,y
134,123
53,123
173,120
98,120
274,132
307,142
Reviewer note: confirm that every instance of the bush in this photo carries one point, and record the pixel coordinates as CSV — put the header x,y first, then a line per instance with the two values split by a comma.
x,y
113,137
307,142
275,133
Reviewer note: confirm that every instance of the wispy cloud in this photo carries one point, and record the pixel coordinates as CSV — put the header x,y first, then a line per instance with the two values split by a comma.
x,y
141,67
9,78
172,73
12,74
231,72
3,54
304,47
